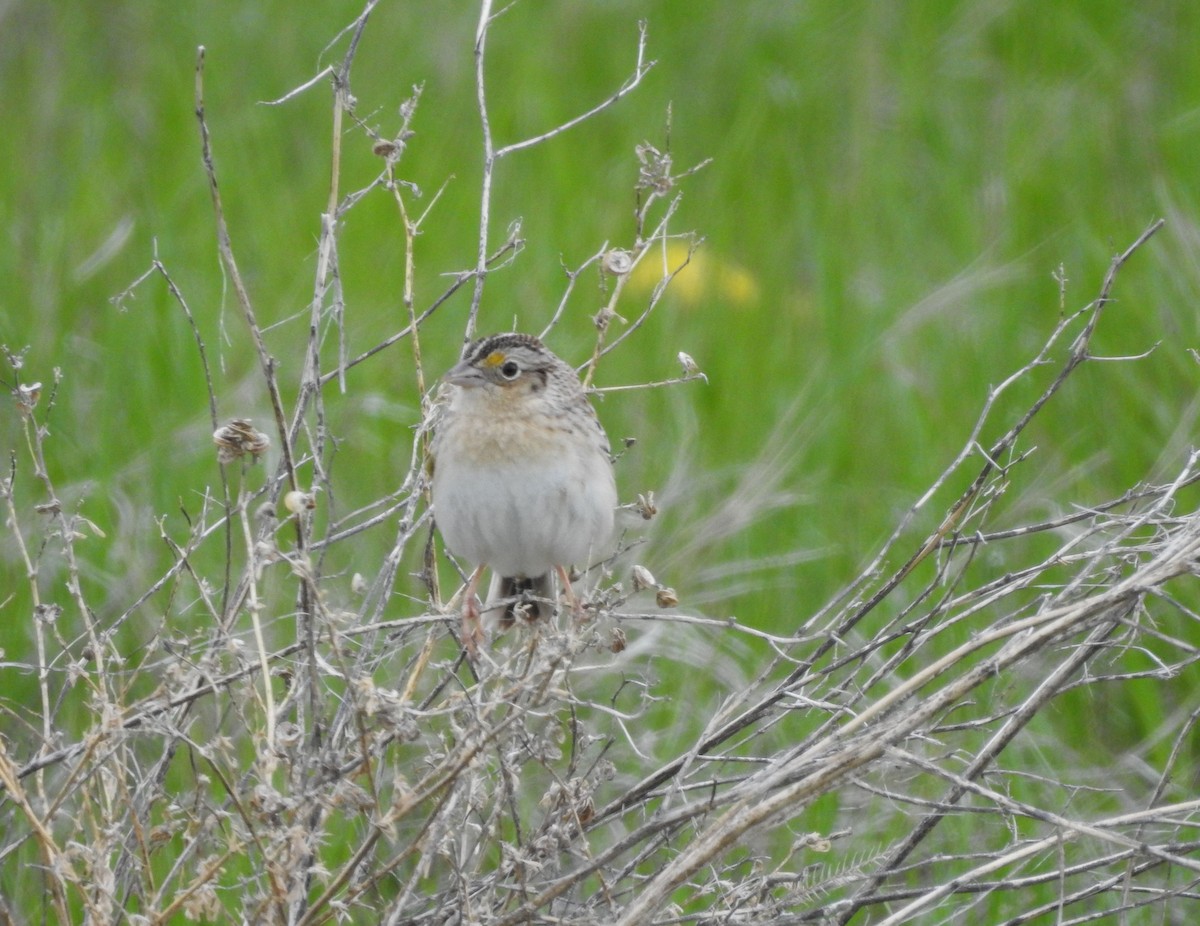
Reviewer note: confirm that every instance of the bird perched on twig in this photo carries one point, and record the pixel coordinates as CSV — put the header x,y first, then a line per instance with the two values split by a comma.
x,y
522,476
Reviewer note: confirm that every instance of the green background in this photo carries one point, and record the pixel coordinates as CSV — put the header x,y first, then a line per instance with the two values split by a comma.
x,y
892,188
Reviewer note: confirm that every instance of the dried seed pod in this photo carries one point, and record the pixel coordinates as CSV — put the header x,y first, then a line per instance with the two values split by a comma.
x,y
655,171
643,578
27,396
691,369
296,501
666,598
618,262
602,318
817,842
239,438
288,735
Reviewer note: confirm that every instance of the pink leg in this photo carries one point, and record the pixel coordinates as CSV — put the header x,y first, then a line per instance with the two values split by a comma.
x,y
472,630
577,612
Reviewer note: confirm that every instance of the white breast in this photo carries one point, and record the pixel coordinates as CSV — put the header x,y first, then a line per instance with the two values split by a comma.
x,y
523,502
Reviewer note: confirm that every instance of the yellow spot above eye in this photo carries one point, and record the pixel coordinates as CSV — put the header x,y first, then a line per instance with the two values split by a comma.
x,y
494,359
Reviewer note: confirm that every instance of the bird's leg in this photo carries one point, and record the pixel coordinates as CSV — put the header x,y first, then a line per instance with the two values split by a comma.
x,y
472,629
577,612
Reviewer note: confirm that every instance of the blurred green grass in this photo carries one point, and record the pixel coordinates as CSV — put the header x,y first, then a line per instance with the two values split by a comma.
x,y
898,182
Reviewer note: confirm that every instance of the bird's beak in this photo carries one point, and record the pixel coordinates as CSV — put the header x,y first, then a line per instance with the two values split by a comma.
x,y
464,375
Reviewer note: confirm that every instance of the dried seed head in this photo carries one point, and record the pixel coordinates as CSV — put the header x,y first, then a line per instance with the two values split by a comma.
x,y
288,735
818,842
618,262
239,438
690,367
27,396
616,643
645,506
666,598
409,106
655,172
643,578
602,318
296,501
585,810
524,612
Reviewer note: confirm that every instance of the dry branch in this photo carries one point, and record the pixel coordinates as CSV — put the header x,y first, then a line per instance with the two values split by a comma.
x,y
284,756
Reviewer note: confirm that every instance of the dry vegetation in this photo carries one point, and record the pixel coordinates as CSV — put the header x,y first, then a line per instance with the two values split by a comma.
x,y
887,756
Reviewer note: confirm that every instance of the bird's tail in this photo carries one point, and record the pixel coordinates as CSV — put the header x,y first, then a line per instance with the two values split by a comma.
x,y
534,596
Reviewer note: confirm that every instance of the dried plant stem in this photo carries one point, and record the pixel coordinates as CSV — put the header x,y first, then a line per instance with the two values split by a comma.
x,y
39,622
45,839
492,155
291,735
225,249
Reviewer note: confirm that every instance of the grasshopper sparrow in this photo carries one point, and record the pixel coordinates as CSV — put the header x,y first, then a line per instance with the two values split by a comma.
x,y
522,475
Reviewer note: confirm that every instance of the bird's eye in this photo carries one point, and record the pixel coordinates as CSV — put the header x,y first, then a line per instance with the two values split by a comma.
x,y
510,369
